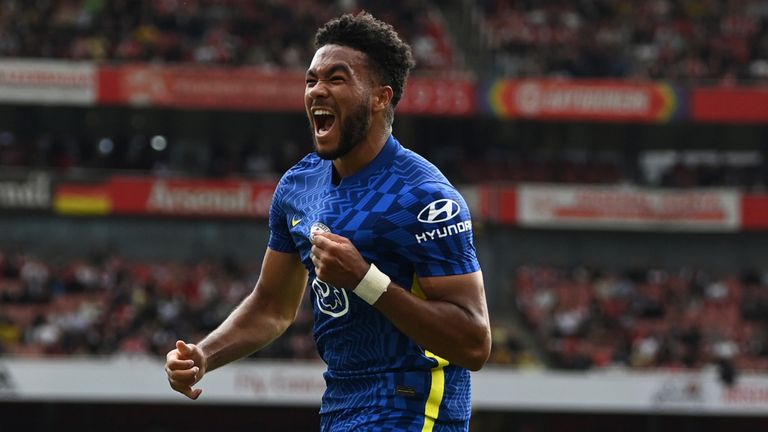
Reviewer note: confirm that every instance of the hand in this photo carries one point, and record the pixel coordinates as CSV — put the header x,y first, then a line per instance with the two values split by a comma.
x,y
337,261
185,367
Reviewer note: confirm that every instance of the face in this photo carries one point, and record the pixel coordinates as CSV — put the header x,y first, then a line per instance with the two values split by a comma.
x,y
337,100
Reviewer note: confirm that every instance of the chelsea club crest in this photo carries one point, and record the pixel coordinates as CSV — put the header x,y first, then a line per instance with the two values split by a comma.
x,y
330,300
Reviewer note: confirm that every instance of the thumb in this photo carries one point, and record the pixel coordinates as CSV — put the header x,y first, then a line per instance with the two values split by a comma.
x,y
334,237
195,393
184,349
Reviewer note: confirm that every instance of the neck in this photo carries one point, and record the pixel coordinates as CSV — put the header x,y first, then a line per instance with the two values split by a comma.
x,y
363,153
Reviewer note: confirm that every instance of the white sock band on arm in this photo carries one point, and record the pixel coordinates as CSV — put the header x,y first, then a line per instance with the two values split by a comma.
x,y
373,285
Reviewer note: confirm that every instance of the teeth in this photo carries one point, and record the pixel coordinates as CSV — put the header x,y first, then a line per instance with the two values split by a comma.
x,y
321,111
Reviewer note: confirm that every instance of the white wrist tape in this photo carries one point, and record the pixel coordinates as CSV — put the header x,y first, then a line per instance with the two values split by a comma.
x,y
373,285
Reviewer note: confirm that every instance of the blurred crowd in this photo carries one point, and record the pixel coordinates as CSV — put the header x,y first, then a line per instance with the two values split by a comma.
x,y
108,305
271,33
715,41
111,306
722,41
577,318
569,318
677,318
702,40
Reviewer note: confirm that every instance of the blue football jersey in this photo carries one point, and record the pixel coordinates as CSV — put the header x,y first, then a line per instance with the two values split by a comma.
x,y
403,215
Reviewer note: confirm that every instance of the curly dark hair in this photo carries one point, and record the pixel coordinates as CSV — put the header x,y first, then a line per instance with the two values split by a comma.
x,y
391,57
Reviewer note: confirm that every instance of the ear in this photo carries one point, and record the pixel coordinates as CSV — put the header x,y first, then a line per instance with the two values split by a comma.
x,y
382,96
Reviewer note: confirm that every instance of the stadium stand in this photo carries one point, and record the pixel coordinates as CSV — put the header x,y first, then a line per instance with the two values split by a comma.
x,y
105,306
665,316
683,318
581,318
697,42
274,34
110,305
691,41
539,153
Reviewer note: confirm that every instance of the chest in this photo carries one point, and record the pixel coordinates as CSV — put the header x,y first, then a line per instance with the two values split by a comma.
x,y
354,213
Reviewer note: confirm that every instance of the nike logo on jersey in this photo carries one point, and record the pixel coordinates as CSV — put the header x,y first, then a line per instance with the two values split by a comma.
x,y
295,222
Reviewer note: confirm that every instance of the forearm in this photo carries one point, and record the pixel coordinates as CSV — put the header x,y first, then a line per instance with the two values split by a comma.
x,y
454,333
452,320
247,330
262,316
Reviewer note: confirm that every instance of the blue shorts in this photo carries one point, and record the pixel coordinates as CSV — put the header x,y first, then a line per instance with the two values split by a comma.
x,y
380,419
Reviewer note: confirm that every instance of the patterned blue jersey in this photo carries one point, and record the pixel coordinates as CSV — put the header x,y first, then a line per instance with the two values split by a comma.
x,y
404,216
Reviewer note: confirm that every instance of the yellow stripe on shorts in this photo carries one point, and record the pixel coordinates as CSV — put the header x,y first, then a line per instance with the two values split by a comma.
x,y
436,392
437,389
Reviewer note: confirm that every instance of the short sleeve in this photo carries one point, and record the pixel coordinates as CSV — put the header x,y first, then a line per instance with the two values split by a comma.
x,y
432,228
279,235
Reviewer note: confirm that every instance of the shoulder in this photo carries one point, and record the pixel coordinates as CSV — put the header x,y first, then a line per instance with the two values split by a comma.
x,y
416,170
296,175
306,166
422,179
422,183
294,180
433,201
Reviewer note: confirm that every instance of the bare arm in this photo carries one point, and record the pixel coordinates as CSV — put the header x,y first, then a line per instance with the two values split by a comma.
x,y
257,321
452,321
263,316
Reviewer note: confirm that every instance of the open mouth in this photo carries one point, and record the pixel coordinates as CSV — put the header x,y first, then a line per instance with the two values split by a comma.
x,y
324,120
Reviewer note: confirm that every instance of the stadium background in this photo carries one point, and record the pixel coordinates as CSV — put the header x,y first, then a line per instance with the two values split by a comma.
x,y
613,153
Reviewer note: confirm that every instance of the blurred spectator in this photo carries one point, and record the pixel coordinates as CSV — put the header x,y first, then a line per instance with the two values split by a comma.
x,y
643,318
691,41
572,318
694,41
226,32
509,347
107,305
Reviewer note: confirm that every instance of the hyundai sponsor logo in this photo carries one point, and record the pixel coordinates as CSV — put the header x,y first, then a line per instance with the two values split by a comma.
x,y
445,231
439,211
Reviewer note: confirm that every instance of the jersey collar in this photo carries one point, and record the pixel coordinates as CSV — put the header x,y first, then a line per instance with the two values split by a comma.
x,y
385,157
